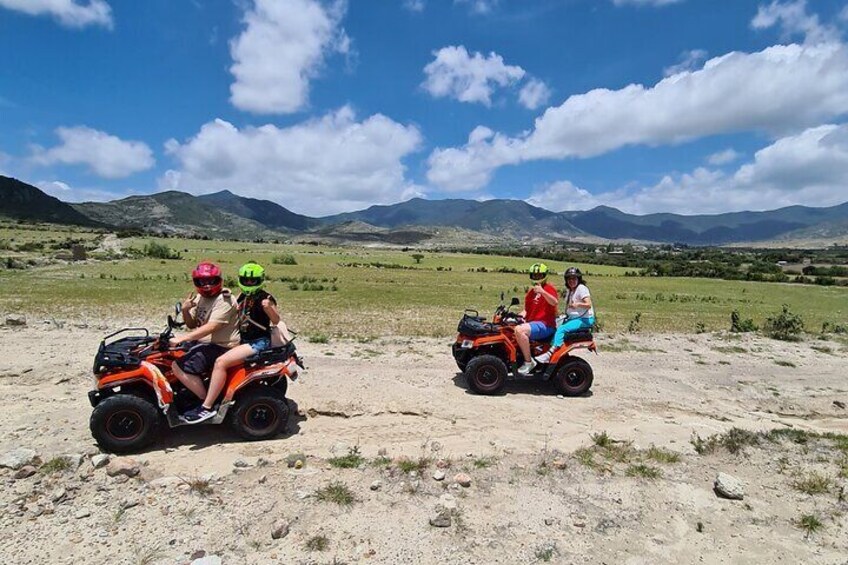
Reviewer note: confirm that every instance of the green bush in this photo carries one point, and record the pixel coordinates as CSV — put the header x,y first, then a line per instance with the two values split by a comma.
x,y
159,251
284,260
785,326
738,325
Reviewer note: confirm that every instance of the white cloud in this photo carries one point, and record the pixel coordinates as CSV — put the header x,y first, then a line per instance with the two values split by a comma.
x,y
68,193
321,166
282,48
723,157
563,195
793,19
644,2
479,6
468,78
688,61
106,155
843,15
810,168
534,94
69,13
414,5
779,89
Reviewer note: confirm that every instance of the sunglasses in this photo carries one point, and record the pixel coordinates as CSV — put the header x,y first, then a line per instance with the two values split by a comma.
x,y
207,281
538,276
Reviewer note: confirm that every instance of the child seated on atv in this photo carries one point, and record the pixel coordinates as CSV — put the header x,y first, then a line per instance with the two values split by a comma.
x,y
578,310
257,318
212,317
540,307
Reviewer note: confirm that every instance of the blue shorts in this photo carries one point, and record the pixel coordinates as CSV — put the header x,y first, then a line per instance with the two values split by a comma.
x,y
539,331
260,344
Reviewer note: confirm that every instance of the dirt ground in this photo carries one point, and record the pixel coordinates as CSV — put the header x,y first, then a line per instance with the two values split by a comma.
x,y
534,496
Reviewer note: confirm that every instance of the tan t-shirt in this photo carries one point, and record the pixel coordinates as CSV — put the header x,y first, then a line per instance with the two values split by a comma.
x,y
223,309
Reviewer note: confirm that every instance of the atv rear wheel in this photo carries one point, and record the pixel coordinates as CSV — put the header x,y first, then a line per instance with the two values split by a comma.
x,y
486,374
124,423
260,414
574,377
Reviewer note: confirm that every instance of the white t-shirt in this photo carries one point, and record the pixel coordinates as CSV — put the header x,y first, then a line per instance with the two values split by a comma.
x,y
577,295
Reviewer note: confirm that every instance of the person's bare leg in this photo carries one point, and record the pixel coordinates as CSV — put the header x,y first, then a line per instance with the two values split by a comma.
x,y
522,336
219,372
192,382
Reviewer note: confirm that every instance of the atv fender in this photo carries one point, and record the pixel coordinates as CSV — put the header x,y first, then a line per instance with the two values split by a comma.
x,y
272,375
147,375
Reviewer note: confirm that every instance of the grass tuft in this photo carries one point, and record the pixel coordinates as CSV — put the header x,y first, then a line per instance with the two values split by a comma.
x,y
352,460
644,471
317,543
661,455
55,465
809,523
408,465
336,492
813,483
199,485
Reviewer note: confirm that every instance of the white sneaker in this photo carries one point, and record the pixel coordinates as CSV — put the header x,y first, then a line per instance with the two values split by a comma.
x,y
526,368
545,357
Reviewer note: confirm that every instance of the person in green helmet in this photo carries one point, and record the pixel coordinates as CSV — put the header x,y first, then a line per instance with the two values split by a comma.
x,y
257,316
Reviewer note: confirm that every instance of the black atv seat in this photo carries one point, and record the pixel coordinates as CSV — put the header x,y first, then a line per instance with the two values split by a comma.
x,y
270,356
583,334
475,326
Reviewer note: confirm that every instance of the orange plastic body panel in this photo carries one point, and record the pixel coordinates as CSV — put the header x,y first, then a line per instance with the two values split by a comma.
x,y
238,377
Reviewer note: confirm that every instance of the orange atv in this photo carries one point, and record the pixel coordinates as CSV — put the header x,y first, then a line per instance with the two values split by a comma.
x,y
136,391
488,354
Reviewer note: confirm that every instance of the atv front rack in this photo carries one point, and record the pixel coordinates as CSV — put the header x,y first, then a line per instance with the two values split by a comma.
x,y
118,354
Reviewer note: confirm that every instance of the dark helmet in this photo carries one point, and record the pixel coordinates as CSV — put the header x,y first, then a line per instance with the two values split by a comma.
x,y
573,272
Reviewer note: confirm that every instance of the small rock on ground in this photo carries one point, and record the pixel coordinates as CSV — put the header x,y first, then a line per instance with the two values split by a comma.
x,y
280,531
376,485
127,467
100,460
439,475
18,458
727,486
442,519
25,472
16,320
462,479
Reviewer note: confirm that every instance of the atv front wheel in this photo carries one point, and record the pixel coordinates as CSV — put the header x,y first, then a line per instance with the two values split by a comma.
x,y
486,374
124,423
260,415
574,377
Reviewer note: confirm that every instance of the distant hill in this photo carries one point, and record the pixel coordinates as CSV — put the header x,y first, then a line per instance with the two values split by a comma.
x,y
269,214
451,222
173,212
514,218
21,201
712,229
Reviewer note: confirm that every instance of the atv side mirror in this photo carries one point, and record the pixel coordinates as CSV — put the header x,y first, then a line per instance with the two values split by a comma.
x,y
514,301
502,297
178,308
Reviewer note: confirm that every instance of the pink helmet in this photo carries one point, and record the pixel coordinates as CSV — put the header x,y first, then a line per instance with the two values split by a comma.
x,y
207,279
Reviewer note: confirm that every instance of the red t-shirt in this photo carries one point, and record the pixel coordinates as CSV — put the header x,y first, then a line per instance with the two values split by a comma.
x,y
538,309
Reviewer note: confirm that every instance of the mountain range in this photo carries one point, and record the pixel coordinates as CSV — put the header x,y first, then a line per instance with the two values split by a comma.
x,y
228,215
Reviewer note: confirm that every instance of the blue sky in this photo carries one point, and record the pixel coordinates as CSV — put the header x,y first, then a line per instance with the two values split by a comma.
x,y
689,106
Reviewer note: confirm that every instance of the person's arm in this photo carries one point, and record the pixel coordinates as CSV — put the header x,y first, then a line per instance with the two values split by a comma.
x,y
186,307
270,307
549,298
584,302
199,333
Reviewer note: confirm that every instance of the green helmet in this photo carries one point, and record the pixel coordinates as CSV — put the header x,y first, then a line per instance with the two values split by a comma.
x,y
251,277
539,272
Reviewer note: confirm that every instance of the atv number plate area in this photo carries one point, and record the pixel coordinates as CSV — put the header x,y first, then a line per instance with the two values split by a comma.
x,y
467,344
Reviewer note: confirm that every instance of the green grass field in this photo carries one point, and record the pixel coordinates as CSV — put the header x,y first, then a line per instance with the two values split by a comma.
x,y
371,299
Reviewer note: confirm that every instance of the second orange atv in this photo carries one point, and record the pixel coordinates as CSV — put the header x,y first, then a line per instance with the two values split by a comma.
x,y
488,354
136,393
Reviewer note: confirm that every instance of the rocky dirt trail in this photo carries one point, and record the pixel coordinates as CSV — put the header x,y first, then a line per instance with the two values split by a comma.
x,y
540,489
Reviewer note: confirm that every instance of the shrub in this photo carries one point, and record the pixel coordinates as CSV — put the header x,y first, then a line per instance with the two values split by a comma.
x,y
785,326
284,260
738,325
159,251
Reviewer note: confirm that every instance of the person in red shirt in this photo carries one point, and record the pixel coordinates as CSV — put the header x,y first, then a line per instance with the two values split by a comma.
x,y
540,309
